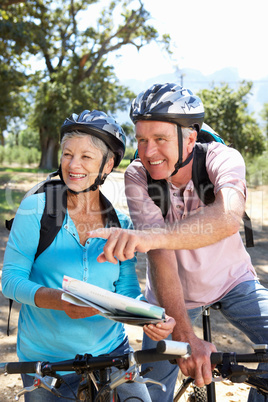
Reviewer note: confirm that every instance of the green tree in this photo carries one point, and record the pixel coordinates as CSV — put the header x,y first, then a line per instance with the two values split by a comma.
x,y
130,134
13,102
14,40
264,116
226,112
77,74
29,138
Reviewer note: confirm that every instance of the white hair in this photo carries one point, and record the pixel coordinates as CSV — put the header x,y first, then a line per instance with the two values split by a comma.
x,y
187,131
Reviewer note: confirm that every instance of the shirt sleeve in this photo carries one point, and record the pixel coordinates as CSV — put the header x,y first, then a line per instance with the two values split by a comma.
x,y
20,251
226,168
145,214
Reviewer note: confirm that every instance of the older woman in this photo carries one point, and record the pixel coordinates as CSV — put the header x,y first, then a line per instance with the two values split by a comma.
x,y
49,328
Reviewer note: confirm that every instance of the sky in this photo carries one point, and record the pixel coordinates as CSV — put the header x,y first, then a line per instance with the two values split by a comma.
x,y
206,35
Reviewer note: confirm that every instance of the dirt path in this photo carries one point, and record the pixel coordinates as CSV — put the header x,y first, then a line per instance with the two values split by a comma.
x,y
225,336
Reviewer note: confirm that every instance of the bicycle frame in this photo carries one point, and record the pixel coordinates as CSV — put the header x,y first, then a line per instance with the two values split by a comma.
x,y
92,385
211,390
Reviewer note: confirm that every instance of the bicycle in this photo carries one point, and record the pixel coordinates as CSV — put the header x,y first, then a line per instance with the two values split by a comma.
x,y
227,368
98,383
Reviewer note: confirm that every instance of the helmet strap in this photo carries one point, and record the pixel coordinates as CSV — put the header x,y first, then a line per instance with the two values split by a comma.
x,y
180,163
178,166
98,181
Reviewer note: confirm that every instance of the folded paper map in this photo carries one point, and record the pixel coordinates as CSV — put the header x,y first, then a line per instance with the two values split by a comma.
x,y
111,305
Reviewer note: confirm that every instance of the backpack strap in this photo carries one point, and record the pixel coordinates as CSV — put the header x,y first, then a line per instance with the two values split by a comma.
x,y
248,230
111,216
9,314
158,190
9,224
53,215
202,183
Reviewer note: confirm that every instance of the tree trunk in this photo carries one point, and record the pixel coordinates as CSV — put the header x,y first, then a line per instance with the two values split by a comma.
x,y
49,152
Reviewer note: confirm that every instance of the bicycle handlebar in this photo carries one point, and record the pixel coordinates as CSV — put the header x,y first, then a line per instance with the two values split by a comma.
x,y
219,357
166,350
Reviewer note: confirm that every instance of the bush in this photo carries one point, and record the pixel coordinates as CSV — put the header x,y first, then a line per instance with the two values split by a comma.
x,y
20,155
257,170
129,154
124,164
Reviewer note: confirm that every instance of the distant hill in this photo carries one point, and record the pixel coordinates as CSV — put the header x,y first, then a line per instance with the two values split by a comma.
x,y
195,80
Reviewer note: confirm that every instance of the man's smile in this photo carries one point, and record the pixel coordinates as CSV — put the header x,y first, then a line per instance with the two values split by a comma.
x,y
156,162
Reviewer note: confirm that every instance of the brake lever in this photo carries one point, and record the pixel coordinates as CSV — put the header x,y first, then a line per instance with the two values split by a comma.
x,y
46,382
142,380
132,374
239,373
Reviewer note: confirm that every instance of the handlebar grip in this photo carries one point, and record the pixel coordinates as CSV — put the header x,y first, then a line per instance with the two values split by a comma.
x,y
181,349
165,350
18,367
151,355
216,358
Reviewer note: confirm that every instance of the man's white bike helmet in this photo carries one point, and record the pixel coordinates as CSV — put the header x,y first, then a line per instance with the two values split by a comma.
x,y
170,103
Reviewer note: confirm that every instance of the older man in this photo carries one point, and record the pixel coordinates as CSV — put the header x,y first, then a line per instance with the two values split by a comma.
x,y
195,252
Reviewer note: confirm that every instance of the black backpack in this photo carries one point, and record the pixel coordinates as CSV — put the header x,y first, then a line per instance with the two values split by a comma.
x,y
158,190
54,214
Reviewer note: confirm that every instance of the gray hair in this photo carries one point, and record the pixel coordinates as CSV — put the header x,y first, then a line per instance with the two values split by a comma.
x,y
187,131
95,141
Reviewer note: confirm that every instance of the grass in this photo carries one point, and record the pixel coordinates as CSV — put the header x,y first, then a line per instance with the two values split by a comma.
x,y
16,169
8,207
5,178
11,196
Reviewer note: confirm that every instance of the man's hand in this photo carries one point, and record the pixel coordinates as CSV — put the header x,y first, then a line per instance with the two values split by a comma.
x,y
161,330
122,243
198,365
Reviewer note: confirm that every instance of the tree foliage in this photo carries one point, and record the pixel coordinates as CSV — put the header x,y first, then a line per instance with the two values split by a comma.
x,y
264,116
76,74
13,102
226,112
12,79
